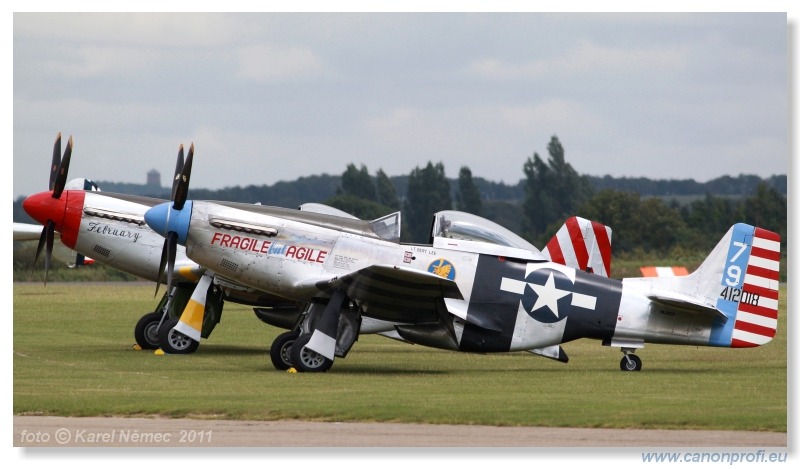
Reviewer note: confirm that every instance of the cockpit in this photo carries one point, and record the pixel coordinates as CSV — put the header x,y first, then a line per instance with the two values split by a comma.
x,y
462,226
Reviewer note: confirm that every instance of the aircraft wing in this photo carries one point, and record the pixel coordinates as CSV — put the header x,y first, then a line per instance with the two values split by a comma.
x,y
687,303
28,232
395,293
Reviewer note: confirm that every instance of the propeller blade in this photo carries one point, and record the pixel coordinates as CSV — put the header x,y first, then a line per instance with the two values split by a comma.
x,y
56,161
178,169
63,170
42,241
172,246
168,254
182,188
48,253
161,265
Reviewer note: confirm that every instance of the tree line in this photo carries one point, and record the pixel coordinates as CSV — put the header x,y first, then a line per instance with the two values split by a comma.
x,y
553,191
645,215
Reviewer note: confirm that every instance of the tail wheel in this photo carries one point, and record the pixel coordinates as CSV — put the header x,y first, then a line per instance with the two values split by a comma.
x,y
630,362
281,349
172,341
146,331
304,359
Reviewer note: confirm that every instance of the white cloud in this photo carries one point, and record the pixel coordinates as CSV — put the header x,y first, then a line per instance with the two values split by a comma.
x,y
154,29
584,58
271,63
92,61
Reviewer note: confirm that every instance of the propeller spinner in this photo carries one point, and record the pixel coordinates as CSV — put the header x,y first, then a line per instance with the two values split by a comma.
x,y
59,169
171,219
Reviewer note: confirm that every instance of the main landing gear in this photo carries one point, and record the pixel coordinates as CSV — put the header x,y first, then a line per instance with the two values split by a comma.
x,y
307,360
630,362
336,324
281,348
146,330
289,350
154,330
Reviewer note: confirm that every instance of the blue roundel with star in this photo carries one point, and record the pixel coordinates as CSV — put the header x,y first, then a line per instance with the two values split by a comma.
x,y
548,295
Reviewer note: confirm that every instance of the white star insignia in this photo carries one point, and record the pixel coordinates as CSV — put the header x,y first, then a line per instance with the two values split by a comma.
x,y
548,295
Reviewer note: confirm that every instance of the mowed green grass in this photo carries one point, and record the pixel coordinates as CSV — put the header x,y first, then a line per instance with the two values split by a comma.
x,y
73,356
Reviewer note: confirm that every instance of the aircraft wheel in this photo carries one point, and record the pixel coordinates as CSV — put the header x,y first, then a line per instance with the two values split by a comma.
x,y
281,348
172,341
146,331
630,362
304,359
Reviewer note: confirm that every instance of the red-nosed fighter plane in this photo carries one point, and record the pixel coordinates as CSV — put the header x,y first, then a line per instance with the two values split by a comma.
x,y
475,287
111,229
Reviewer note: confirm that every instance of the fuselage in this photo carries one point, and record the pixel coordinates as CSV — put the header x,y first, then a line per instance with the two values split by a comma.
x,y
110,228
511,299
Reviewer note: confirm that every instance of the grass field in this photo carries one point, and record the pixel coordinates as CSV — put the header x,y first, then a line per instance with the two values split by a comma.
x,y
73,356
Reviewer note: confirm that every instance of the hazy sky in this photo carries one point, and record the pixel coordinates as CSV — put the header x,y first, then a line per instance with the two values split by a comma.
x,y
277,96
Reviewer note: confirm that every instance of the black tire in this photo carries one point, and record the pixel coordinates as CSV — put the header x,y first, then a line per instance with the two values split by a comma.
x,y
307,360
280,351
146,331
635,363
174,342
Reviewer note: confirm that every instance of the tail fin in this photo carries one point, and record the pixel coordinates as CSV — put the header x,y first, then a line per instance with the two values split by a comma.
x,y
741,276
582,244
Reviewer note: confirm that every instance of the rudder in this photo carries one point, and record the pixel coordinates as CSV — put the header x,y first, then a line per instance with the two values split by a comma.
x,y
583,245
757,315
742,273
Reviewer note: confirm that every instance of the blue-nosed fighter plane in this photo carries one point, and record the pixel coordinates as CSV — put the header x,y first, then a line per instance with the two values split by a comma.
x,y
110,228
474,287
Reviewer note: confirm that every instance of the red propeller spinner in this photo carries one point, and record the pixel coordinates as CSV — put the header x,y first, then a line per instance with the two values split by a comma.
x,y
56,209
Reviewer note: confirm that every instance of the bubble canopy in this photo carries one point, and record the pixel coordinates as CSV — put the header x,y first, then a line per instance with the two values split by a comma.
x,y
466,226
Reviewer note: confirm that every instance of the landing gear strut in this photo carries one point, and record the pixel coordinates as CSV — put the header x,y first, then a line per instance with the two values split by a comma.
x,y
331,327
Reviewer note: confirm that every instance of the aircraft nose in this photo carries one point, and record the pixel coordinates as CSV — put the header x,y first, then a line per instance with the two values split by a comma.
x,y
43,207
65,212
163,218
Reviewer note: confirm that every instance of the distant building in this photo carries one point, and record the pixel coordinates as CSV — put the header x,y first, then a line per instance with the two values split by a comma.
x,y
154,178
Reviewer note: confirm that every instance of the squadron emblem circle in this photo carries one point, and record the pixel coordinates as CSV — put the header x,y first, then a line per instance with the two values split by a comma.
x,y
443,268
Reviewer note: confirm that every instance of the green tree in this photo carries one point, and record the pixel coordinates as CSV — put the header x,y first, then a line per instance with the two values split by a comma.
x,y
358,182
709,218
468,198
385,191
648,225
553,190
619,210
767,209
428,192
661,226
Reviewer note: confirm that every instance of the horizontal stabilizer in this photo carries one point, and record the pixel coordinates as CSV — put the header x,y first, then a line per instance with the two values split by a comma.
x,y
687,303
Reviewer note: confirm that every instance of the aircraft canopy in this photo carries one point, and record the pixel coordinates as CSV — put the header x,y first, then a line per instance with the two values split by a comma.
x,y
466,226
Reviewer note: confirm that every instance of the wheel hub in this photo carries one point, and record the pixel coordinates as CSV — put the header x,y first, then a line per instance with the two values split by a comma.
x,y
179,341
